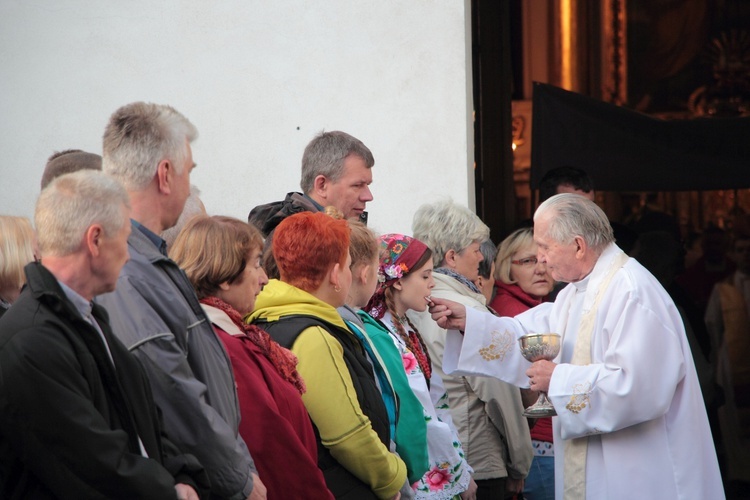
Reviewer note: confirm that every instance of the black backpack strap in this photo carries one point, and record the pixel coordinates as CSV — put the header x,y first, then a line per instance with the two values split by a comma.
x,y
285,331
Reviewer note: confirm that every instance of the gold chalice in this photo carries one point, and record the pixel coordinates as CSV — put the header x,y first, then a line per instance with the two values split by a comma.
x,y
536,346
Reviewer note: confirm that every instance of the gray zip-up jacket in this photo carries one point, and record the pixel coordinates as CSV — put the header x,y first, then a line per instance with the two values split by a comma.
x,y
154,311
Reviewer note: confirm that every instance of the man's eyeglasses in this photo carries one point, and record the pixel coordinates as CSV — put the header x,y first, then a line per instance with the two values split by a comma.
x,y
527,262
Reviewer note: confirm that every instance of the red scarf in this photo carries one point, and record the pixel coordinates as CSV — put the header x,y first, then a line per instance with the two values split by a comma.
x,y
282,359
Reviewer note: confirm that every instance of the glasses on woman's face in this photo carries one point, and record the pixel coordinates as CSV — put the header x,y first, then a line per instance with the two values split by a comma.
x,y
527,262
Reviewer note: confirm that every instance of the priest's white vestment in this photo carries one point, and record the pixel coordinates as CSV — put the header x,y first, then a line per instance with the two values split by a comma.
x,y
639,401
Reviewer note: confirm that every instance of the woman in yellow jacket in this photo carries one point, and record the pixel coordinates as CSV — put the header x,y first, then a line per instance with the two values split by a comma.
x,y
342,398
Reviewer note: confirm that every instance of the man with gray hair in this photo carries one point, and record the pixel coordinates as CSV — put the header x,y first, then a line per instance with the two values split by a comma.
x,y
77,418
155,311
336,171
630,422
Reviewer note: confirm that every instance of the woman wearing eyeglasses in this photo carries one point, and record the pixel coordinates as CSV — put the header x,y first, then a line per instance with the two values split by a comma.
x,y
520,284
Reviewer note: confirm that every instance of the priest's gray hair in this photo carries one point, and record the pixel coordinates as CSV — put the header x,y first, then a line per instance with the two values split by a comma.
x,y
570,215
139,136
71,203
445,225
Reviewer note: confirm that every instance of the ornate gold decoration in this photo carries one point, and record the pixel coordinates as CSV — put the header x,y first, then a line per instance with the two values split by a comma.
x,y
499,345
580,398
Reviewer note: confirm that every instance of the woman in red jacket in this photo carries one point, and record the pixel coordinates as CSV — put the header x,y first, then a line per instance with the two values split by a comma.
x,y
221,257
522,283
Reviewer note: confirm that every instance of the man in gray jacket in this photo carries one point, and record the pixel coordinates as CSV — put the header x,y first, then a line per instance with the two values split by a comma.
x,y
154,310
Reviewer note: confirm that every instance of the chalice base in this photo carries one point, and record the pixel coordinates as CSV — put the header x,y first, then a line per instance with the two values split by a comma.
x,y
542,408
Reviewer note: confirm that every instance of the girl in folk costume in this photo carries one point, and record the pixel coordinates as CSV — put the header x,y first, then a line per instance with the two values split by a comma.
x,y
405,281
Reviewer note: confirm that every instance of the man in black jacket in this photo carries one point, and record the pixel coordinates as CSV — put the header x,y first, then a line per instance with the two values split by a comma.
x,y
77,418
336,171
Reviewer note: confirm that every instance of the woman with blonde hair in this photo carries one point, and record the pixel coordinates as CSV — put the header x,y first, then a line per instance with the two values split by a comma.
x,y
17,242
521,282
221,257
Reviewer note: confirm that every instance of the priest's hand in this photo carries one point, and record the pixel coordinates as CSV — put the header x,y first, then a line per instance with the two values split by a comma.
x,y
447,314
540,373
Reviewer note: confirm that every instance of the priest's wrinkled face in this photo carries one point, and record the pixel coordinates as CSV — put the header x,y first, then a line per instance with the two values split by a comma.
x,y
563,259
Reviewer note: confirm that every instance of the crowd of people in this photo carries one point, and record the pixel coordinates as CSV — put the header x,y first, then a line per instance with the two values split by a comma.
x,y
150,350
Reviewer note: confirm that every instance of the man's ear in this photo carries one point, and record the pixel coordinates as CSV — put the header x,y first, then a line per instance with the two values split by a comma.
x,y
320,186
165,176
479,282
93,238
582,247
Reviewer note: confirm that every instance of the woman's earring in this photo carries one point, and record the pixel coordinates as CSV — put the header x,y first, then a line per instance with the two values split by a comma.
x,y
337,289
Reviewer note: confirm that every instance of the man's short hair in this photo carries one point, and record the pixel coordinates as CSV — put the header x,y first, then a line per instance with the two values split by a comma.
x,y
489,251
72,203
445,225
139,136
564,176
574,215
70,160
325,155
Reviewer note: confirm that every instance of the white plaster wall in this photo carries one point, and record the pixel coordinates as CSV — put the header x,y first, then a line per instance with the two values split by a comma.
x,y
258,78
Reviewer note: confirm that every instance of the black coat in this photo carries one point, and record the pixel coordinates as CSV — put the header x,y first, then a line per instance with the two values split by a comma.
x,y
69,420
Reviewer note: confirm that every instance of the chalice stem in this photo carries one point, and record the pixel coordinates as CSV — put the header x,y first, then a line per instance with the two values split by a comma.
x,y
542,408
543,401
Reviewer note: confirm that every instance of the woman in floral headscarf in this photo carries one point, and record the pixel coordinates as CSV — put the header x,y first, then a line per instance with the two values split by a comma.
x,y
405,282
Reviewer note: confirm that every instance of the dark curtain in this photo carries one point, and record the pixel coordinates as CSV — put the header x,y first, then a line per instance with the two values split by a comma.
x,y
623,150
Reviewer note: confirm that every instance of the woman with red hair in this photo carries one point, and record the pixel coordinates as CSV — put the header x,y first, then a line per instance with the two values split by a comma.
x,y
342,397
